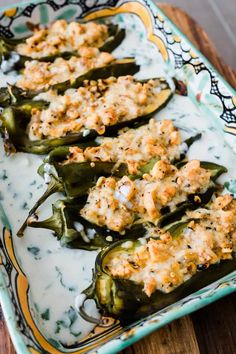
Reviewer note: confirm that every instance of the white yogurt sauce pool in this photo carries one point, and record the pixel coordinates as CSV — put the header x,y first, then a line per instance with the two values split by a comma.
x,y
58,275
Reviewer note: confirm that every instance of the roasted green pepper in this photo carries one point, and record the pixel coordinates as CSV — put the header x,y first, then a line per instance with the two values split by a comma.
x,y
125,299
115,37
66,219
16,118
82,178
74,231
75,179
13,95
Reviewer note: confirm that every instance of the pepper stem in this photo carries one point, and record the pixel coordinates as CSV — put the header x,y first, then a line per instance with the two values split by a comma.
x,y
99,322
54,186
50,223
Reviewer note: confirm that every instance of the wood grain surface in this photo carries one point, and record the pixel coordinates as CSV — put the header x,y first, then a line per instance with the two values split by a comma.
x,y
217,17
212,329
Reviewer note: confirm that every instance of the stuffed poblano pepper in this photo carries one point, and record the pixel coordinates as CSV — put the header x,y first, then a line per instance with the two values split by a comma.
x,y
62,39
62,74
120,208
99,107
73,231
73,170
133,152
134,279
159,197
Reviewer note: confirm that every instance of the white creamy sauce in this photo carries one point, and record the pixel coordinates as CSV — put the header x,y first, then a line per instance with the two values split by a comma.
x,y
6,79
57,275
79,301
7,74
8,65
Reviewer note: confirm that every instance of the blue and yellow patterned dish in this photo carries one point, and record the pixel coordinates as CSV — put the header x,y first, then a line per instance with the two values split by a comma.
x,y
36,292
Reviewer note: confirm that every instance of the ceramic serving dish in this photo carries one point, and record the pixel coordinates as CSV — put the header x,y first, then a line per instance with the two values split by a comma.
x,y
39,280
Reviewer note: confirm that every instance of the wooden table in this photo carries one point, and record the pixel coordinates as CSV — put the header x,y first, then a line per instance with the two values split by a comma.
x,y
211,330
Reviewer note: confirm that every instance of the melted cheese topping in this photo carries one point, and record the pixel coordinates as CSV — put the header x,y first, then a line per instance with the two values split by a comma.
x,y
118,203
135,147
63,37
165,263
40,75
96,105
